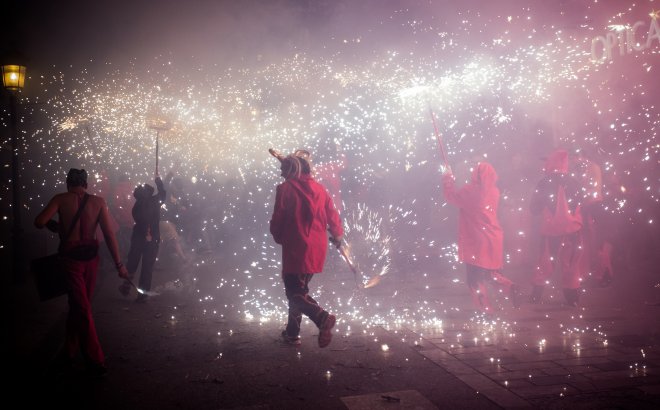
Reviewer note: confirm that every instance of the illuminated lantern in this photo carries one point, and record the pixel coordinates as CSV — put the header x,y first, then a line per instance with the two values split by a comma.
x,y
13,76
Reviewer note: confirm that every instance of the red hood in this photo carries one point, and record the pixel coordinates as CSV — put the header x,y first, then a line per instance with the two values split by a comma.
x,y
310,196
484,174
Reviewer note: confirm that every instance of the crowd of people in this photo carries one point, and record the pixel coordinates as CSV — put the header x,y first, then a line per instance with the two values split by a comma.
x,y
566,206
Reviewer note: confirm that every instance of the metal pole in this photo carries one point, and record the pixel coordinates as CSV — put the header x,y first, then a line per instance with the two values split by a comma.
x,y
157,138
17,230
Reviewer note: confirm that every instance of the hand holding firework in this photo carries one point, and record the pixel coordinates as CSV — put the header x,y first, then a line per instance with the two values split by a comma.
x,y
141,291
445,170
336,241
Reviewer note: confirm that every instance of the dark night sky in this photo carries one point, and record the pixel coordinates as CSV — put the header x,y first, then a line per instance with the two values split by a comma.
x,y
214,31
220,31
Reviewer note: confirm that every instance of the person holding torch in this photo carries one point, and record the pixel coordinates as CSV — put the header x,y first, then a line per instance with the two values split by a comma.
x,y
303,212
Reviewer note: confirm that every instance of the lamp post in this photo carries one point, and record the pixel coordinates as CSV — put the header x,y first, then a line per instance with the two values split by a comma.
x,y
13,79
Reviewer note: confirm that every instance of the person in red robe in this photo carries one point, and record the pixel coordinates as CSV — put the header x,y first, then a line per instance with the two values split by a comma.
x,y
480,238
557,201
303,212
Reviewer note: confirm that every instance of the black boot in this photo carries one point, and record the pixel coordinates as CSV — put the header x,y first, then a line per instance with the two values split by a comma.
x,y
537,292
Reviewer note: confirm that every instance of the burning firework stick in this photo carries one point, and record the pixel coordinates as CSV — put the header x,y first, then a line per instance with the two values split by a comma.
x,y
370,283
143,292
437,135
352,267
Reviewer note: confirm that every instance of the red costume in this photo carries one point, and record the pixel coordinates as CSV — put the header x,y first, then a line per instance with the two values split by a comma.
x,y
480,239
303,213
557,200
479,233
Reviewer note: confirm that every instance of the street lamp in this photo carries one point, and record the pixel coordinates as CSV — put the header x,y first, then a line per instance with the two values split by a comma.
x,y
13,76
13,79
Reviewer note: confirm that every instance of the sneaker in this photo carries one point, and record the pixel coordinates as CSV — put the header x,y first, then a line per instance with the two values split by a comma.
x,y
124,289
325,331
290,340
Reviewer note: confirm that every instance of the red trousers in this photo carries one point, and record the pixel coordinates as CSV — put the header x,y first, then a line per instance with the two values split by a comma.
x,y
80,328
563,253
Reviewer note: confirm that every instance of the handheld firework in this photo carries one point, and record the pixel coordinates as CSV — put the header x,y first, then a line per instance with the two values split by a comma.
x,y
345,255
141,291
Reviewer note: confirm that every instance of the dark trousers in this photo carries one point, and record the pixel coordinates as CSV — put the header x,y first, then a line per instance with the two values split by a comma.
x,y
144,250
296,287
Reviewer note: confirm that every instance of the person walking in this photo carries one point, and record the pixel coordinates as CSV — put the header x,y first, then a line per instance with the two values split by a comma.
x,y
480,237
79,258
302,214
145,239
556,200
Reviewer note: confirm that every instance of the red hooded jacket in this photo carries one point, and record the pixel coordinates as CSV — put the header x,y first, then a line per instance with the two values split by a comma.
x,y
480,239
303,212
558,217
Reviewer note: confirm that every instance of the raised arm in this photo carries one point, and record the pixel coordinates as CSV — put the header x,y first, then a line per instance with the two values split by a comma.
x,y
459,197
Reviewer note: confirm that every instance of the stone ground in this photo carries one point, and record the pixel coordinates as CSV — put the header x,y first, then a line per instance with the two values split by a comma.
x,y
185,349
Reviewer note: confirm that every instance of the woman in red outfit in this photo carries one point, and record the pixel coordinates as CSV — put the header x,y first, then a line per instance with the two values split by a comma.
x,y
303,213
479,233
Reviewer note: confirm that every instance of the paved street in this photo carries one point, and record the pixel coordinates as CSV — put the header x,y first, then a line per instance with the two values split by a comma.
x,y
194,348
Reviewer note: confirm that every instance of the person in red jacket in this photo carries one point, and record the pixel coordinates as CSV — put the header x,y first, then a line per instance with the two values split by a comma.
x,y
303,213
557,201
480,236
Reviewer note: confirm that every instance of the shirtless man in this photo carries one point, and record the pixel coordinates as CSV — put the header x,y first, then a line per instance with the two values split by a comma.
x,y
79,257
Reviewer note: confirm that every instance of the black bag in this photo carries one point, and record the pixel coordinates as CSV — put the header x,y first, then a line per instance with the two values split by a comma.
x,y
49,277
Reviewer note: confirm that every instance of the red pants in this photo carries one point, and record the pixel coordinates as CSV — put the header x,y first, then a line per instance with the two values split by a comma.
x,y
563,252
80,328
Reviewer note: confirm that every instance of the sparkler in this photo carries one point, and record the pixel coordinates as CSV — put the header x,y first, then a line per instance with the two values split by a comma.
x,y
141,291
158,124
350,264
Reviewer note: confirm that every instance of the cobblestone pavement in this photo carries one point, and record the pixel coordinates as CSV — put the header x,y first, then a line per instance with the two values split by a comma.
x,y
189,349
